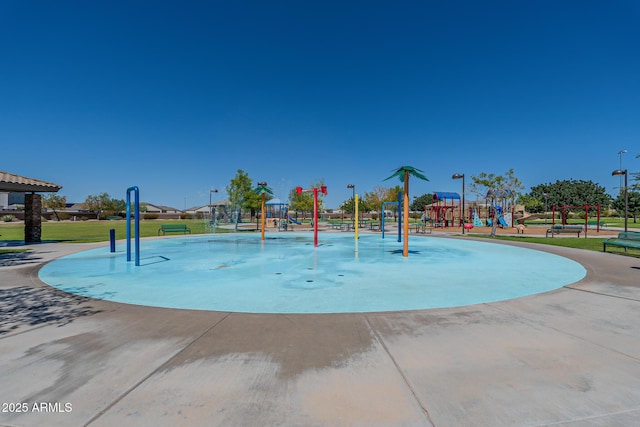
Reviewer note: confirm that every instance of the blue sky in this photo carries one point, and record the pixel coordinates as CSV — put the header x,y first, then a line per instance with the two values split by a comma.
x,y
174,97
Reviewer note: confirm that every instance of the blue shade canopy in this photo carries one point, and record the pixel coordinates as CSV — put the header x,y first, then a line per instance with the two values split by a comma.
x,y
275,201
445,195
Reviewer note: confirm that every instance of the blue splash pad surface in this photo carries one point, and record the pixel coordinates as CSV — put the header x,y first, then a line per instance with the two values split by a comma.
x,y
286,274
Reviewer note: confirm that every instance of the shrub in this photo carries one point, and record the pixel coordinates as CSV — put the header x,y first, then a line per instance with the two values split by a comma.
x,y
151,216
185,216
7,218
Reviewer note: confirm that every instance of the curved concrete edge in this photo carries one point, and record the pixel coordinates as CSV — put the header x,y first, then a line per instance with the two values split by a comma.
x,y
565,357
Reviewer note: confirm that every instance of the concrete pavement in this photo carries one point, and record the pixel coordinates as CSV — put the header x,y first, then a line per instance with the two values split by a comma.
x,y
570,357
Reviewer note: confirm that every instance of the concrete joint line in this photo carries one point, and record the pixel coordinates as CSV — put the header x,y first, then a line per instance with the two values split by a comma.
x,y
596,417
159,368
535,323
600,293
404,378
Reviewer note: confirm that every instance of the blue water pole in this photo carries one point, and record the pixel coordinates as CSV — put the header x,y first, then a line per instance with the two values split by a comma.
x,y
136,221
382,220
399,216
112,239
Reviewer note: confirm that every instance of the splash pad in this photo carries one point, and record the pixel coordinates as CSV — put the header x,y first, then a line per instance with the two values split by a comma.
x,y
287,274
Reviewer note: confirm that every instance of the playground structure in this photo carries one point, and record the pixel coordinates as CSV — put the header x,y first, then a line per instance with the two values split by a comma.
x,y
442,210
445,211
504,220
275,209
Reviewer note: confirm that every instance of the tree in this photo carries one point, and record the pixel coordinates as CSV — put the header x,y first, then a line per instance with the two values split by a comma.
x,y
240,191
421,201
497,188
403,173
636,177
55,203
571,193
633,204
531,203
374,200
113,207
304,202
103,203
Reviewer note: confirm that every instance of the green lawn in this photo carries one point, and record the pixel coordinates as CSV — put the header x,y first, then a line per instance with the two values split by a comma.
x,y
611,222
12,251
96,231
590,244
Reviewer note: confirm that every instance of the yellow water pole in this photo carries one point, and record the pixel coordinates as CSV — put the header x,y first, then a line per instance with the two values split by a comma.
x,y
405,250
356,217
262,216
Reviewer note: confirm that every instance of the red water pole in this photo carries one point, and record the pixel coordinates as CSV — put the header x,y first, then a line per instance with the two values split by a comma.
x,y
323,190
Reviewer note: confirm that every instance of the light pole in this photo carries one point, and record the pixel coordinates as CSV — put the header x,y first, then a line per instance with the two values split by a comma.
x,y
545,207
620,172
353,203
620,153
459,176
213,190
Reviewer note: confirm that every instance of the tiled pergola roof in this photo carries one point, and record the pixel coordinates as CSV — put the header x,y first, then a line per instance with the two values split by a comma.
x,y
17,183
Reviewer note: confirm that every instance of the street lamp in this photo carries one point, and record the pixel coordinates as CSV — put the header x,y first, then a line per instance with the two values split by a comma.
x,y
545,207
213,190
620,153
353,203
620,172
459,176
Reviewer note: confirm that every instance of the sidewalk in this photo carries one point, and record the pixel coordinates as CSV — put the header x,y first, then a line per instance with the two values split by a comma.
x,y
569,357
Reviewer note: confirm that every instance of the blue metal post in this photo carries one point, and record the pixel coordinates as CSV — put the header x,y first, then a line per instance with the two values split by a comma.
x,y
382,220
112,239
136,221
400,216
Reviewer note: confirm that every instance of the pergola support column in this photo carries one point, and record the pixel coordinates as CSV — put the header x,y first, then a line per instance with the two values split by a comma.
x,y
32,218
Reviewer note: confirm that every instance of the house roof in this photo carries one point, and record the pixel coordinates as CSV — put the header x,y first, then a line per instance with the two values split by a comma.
x,y
13,182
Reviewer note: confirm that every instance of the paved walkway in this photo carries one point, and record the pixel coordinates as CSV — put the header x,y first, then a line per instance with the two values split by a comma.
x,y
570,357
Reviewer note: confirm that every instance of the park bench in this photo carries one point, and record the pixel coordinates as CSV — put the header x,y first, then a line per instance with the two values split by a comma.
x,y
421,228
564,229
285,226
346,226
625,239
339,225
594,224
173,228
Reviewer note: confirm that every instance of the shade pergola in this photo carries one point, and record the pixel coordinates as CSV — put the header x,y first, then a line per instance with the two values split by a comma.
x,y
277,207
32,202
